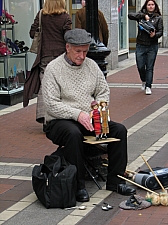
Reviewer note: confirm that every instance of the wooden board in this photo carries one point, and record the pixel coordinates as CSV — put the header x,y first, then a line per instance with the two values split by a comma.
x,y
92,140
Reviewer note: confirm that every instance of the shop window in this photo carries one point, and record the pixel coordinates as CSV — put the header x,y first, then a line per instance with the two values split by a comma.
x,y
122,22
76,4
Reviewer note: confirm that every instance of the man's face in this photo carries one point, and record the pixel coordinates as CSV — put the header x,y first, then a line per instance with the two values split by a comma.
x,y
77,54
83,3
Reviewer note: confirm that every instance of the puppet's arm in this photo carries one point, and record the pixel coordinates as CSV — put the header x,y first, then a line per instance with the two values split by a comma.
x,y
108,115
91,116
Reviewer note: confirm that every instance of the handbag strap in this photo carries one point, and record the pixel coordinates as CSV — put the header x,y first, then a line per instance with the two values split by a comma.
x,y
40,26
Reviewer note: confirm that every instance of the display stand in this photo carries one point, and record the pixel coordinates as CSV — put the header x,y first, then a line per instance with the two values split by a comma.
x,y
92,140
12,52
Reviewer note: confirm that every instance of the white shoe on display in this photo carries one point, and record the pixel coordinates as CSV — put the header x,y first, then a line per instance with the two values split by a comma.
x,y
148,91
143,86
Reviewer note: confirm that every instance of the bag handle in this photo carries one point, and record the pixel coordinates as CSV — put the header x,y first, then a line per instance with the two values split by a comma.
x,y
50,160
40,26
56,167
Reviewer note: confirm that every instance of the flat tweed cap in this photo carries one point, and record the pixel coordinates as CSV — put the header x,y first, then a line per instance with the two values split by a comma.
x,y
77,37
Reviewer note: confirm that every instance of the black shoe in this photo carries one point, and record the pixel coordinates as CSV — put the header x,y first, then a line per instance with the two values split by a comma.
x,y
122,189
104,136
97,138
82,196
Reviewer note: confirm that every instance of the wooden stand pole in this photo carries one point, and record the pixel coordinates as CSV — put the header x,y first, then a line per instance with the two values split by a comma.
x,y
153,173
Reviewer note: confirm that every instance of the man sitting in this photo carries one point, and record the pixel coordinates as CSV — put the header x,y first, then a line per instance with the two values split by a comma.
x,y
71,82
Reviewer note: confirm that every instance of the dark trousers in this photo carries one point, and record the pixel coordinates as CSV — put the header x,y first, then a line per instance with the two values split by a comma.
x,y
145,59
69,134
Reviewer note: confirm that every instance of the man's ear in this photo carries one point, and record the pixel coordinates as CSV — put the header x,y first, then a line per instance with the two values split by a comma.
x,y
68,46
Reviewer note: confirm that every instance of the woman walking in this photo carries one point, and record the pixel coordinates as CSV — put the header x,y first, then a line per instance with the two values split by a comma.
x,y
55,21
147,43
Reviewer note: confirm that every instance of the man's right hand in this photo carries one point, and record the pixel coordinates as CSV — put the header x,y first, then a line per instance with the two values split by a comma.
x,y
84,119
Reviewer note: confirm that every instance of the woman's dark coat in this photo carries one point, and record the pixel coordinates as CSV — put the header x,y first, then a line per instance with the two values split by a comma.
x,y
52,44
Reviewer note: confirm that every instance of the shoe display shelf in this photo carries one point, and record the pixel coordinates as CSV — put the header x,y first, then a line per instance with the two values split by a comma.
x,y
11,54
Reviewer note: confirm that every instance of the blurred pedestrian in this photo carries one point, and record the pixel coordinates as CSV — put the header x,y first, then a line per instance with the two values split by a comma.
x,y
147,44
55,21
80,22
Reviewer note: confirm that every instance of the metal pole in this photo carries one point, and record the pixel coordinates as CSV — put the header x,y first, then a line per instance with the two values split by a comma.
x,y
97,51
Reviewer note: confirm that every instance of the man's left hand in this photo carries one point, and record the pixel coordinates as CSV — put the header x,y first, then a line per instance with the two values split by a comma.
x,y
84,119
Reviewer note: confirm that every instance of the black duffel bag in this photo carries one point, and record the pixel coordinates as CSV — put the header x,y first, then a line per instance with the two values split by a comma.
x,y
54,182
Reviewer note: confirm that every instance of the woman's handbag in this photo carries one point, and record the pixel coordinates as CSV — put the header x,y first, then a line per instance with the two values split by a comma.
x,y
37,37
54,182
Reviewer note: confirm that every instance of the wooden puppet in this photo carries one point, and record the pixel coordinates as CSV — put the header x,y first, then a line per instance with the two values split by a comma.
x,y
104,114
95,119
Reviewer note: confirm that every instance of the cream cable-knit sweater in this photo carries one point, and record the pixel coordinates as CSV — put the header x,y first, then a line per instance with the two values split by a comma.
x,y
68,90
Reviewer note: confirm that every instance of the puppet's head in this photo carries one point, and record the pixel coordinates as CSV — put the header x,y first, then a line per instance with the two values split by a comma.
x,y
103,103
94,104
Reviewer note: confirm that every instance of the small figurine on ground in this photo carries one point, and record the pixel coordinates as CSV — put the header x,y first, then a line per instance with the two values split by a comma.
x,y
105,117
95,119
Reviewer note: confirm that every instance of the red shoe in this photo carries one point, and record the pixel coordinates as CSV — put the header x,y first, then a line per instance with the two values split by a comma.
x,y
4,50
9,16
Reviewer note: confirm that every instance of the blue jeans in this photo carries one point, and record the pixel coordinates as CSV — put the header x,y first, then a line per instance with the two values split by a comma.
x,y
145,60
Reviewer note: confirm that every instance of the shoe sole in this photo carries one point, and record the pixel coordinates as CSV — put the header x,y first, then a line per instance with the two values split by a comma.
x,y
126,194
82,200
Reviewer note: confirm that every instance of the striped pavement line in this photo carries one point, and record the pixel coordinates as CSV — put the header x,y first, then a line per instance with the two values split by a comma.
x,y
128,85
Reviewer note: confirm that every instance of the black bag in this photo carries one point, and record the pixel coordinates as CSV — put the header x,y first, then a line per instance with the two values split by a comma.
x,y
146,26
54,182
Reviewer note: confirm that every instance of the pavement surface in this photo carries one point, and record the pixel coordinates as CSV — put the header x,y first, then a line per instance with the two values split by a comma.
x,y
23,144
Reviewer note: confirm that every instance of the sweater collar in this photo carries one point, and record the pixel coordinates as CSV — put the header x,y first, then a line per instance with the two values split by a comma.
x,y
69,61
